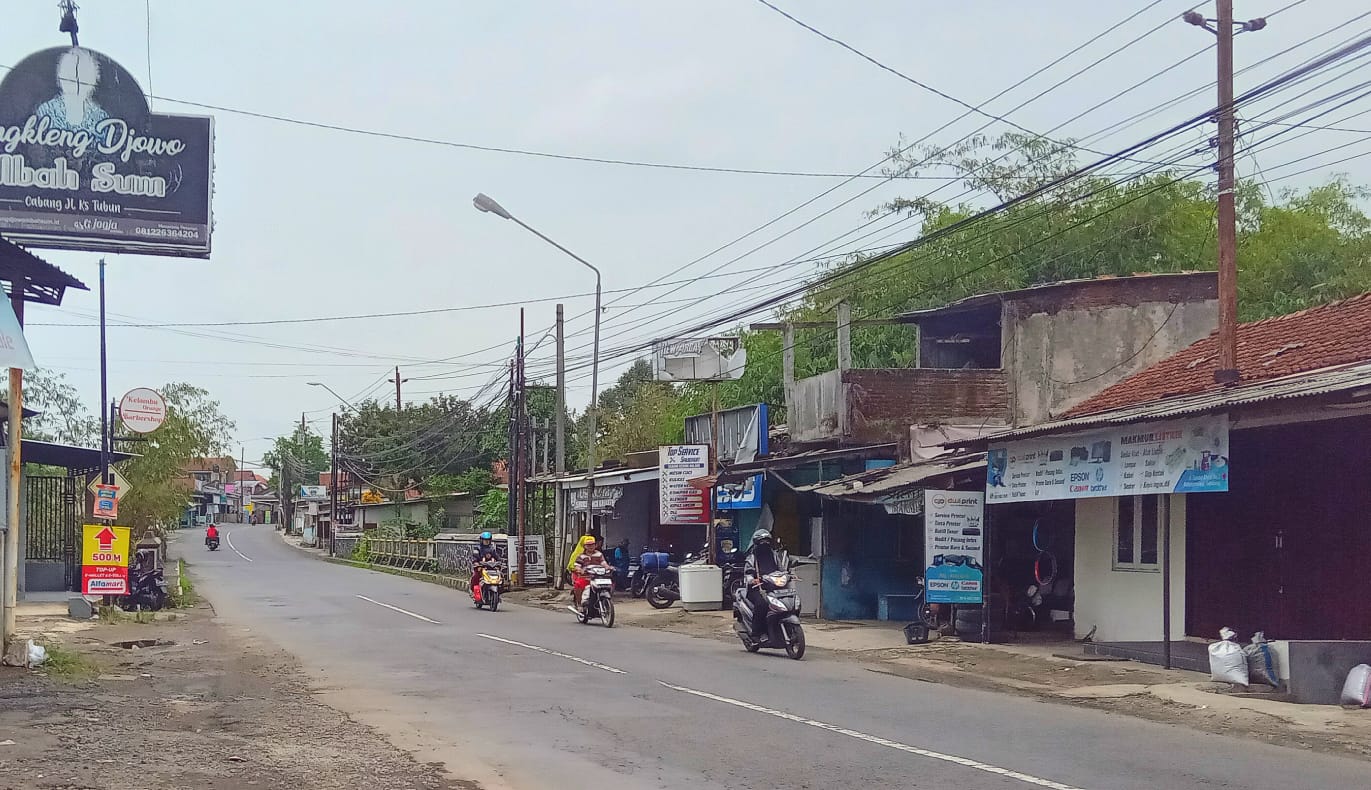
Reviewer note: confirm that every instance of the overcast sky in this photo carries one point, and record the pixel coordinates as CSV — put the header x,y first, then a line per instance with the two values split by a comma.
x,y
313,222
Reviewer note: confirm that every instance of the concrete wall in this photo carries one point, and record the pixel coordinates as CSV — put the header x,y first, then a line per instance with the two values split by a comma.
x,y
1124,606
1058,359
410,512
813,406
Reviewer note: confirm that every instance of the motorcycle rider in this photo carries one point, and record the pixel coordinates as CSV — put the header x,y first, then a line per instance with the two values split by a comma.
x,y
763,557
485,550
211,533
590,555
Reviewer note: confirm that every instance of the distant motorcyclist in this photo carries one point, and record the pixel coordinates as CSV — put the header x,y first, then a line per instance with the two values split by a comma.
x,y
485,550
211,534
763,557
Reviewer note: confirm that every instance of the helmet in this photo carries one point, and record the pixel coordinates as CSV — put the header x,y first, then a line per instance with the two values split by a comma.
x,y
487,536
761,537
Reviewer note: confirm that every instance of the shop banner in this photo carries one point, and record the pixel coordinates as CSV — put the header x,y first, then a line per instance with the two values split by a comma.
x,y
85,165
606,497
745,495
680,502
954,546
1185,456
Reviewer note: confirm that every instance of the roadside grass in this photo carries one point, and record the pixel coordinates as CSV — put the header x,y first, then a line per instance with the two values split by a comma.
x,y
66,665
183,596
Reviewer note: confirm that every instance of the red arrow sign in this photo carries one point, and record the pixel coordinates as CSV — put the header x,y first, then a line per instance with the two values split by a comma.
x,y
106,538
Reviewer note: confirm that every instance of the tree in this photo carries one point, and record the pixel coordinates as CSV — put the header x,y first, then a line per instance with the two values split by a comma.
x,y
62,417
302,453
195,428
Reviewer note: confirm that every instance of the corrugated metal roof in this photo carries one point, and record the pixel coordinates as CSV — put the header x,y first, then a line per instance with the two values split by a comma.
x,y
887,480
739,471
582,478
1328,381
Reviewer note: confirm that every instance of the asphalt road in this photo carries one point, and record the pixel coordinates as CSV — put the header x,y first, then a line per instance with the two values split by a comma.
x,y
528,698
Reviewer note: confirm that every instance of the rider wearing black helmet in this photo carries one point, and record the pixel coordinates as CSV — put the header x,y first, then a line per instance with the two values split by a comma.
x,y
762,559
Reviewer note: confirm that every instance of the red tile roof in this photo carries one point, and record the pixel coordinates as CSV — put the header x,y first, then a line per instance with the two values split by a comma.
x,y
1337,333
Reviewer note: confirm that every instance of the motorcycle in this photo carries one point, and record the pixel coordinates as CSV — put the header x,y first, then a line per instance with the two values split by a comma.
x,y
650,563
487,590
665,588
598,601
782,626
212,543
147,591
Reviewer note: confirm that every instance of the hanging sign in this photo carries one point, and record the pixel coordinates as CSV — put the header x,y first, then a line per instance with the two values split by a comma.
x,y
142,410
86,165
680,502
743,495
104,560
606,497
1182,456
954,546
106,501
14,349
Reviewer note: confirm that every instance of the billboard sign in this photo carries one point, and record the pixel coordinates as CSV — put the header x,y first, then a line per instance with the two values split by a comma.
x,y
104,560
680,502
86,165
699,359
954,546
744,495
1182,456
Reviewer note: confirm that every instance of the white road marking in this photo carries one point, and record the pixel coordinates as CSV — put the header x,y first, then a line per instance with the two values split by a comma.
x,y
398,609
861,736
585,661
228,538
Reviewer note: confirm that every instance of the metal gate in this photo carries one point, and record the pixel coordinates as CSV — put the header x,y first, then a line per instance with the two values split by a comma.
x,y
52,517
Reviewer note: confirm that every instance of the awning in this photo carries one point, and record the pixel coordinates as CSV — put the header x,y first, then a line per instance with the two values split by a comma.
x,y
774,463
70,457
878,485
616,476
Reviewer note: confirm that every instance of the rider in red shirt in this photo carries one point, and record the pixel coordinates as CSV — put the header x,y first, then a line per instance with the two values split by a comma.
x,y
211,533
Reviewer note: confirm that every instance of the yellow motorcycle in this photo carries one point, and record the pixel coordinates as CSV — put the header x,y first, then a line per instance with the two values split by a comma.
x,y
487,591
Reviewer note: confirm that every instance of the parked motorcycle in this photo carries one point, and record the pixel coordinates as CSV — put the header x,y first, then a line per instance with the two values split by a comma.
x,y
665,589
782,625
147,591
487,590
599,597
650,563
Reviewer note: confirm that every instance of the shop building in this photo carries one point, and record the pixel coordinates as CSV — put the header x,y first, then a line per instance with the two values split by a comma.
x,y
1198,506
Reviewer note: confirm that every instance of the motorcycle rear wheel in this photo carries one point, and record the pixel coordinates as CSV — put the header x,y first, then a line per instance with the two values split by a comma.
x,y
655,597
795,645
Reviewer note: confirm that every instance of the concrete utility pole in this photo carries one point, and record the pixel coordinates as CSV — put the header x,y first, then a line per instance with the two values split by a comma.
x,y
14,443
521,452
333,486
1223,27
559,531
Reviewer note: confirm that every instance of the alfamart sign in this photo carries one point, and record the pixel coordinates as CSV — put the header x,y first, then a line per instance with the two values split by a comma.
x,y
85,165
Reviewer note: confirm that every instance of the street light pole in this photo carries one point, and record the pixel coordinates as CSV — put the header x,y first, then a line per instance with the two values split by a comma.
x,y
485,203
340,398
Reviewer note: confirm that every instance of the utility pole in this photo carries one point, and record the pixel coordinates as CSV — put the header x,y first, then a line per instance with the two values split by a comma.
x,y
559,515
397,381
511,498
1223,27
521,452
242,465
333,484
14,443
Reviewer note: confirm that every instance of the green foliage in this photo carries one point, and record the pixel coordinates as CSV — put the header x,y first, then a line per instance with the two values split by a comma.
x,y
493,512
183,596
302,453
475,481
194,428
62,417
361,551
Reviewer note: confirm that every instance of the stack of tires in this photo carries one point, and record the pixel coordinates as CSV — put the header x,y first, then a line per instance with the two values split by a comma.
x,y
968,621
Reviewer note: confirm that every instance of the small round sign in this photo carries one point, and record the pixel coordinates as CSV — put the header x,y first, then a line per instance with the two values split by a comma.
x,y
142,410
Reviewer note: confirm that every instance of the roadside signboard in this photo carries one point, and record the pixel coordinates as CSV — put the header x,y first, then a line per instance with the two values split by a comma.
x,y
1179,456
142,410
104,560
954,541
86,165
14,349
680,502
117,480
106,501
